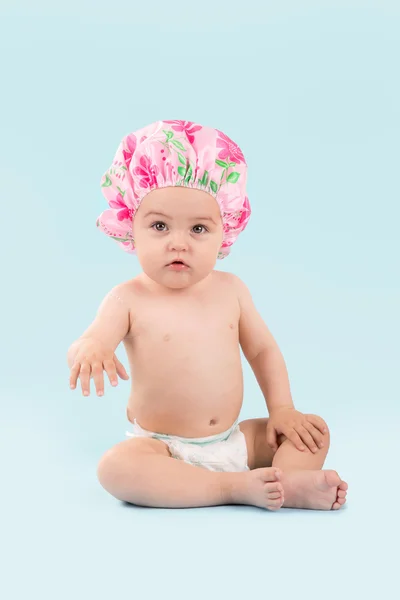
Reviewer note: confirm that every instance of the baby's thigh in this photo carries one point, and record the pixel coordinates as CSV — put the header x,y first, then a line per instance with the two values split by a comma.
x,y
259,453
120,459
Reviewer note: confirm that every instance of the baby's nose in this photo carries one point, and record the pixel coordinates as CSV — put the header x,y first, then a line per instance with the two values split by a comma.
x,y
178,243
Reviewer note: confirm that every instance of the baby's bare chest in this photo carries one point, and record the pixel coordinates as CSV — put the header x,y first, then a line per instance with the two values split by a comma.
x,y
185,328
155,323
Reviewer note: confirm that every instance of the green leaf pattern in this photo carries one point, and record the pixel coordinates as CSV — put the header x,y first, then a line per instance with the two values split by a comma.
x,y
186,171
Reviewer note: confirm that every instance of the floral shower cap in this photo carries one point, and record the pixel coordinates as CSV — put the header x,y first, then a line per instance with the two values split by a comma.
x,y
175,153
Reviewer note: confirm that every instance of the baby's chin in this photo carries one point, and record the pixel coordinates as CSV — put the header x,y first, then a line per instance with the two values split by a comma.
x,y
177,280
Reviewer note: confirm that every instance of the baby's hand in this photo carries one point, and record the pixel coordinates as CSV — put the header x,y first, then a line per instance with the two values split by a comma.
x,y
297,427
90,360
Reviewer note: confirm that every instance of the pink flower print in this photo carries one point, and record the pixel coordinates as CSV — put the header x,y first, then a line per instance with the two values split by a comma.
x,y
130,142
229,149
124,212
245,214
237,219
227,243
147,172
187,126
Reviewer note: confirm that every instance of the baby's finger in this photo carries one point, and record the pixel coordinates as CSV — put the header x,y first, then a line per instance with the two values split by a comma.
x,y
120,369
307,438
294,438
97,374
84,376
318,423
271,438
317,436
109,367
74,375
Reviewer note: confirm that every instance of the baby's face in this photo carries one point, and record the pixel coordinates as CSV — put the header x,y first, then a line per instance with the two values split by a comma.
x,y
177,224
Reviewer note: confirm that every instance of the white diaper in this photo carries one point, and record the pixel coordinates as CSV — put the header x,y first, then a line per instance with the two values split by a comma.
x,y
225,451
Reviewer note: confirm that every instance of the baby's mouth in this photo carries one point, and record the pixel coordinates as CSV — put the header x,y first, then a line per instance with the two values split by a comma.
x,y
177,264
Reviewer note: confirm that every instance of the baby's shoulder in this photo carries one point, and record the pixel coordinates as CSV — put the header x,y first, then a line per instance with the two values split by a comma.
x,y
235,286
126,291
229,280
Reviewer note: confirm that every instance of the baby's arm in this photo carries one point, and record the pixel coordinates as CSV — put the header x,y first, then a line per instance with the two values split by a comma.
x,y
94,350
262,352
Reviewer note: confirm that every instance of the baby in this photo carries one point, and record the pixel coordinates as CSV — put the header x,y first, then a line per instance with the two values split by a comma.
x,y
177,197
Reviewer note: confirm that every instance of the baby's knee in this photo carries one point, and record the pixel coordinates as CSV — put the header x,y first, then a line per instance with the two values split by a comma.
x,y
114,466
127,461
322,425
108,467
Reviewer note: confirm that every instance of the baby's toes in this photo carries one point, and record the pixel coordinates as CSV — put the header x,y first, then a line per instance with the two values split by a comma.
x,y
341,495
274,504
274,486
339,502
274,495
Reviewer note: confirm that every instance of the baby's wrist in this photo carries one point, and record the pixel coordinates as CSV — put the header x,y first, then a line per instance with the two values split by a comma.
x,y
279,407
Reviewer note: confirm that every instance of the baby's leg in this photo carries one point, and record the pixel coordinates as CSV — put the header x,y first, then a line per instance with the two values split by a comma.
x,y
304,484
141,471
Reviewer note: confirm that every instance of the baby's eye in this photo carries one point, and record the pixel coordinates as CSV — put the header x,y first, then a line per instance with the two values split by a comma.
x,y
157,225
201,227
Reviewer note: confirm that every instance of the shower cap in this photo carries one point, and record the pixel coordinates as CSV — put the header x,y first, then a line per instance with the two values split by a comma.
x,y
175,153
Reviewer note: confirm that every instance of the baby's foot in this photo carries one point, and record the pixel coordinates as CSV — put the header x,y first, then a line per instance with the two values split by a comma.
x,y
259,488
321,490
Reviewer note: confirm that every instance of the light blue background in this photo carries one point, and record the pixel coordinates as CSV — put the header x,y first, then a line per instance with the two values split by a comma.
x,y
310,91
